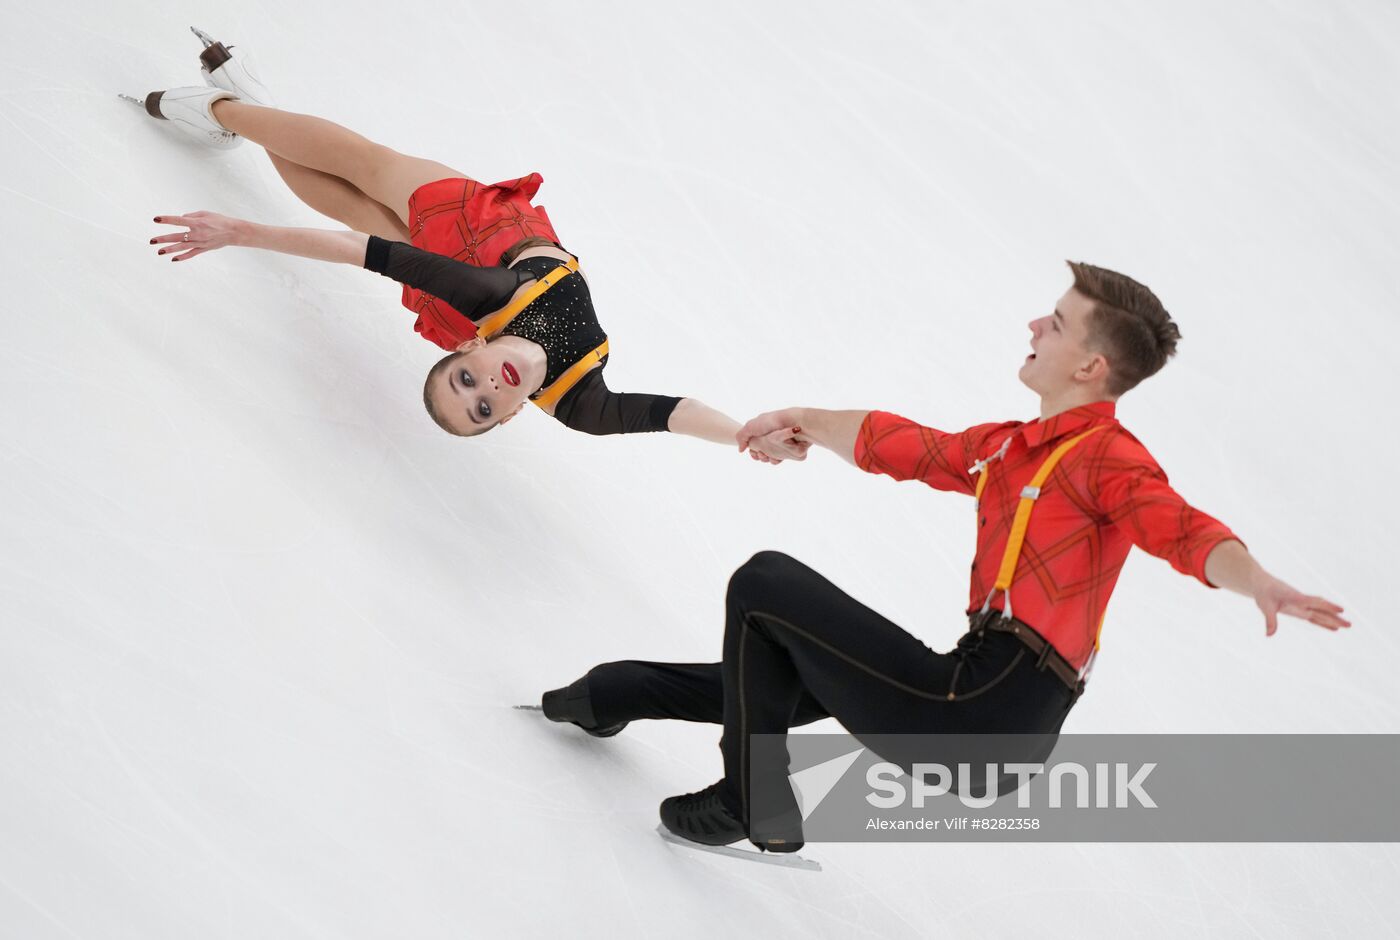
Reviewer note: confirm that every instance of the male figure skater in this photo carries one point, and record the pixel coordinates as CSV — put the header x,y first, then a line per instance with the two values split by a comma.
x,y
1059,502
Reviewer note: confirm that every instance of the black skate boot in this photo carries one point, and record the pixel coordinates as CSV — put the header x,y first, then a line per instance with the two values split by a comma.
x,y
704,817
572,704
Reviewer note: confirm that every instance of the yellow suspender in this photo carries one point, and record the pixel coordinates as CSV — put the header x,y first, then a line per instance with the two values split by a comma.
x,y
982,481
547,397
497,321
1023,517
981,466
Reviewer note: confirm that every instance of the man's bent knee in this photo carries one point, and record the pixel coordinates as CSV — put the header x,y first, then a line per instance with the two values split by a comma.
x,y
764,572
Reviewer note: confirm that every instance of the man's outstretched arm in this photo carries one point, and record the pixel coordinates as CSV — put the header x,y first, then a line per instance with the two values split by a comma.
x,y
1133,494
1231,566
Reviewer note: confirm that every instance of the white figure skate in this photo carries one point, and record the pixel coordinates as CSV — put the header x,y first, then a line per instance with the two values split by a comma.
x,y
229,68
191,111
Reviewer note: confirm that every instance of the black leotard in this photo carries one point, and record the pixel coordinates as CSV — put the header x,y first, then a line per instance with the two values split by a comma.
x,y
561,321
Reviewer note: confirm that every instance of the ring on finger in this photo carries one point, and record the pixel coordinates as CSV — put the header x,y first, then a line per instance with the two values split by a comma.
x,y
185,237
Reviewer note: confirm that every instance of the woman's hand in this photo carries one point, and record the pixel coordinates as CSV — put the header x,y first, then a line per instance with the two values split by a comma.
x,y
206,231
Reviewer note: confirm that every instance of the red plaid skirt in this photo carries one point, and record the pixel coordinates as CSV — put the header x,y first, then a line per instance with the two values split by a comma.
x,y
475,223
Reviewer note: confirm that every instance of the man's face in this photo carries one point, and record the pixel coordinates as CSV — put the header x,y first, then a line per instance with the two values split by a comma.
x,y
1059,354
479,388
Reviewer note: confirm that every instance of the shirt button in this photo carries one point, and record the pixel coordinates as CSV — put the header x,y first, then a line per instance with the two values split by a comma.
x,y
984,520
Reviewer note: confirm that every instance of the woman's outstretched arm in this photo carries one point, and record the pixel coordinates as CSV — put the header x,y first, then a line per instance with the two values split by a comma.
x,y
697,419
593,408
474,291
209,231
694,418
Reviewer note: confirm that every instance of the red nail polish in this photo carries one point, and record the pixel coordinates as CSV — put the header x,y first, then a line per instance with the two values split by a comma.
x,y
153,241
156,219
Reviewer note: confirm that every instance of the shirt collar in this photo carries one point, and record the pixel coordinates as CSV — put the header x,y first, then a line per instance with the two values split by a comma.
x,y
1038,432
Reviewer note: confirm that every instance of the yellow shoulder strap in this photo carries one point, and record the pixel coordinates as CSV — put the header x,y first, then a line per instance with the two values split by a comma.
x,y
497,321
557,389
1023,517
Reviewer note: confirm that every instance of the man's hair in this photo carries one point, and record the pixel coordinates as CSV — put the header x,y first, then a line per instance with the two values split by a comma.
x,y
1128,325
438,369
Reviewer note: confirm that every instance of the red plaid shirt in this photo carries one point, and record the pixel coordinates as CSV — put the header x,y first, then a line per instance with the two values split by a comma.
x,y
1105,496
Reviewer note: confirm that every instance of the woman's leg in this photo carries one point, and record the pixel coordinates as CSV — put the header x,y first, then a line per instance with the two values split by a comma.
x,y
334,197
384,175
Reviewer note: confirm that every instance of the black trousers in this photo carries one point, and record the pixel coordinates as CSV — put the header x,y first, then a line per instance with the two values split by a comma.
x,y
797,649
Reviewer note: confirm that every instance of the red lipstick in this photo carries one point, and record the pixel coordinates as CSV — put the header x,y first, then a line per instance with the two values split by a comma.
x,y
510,375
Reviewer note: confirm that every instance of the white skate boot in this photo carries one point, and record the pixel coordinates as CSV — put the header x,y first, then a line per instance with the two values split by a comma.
x,y
228,67
192,111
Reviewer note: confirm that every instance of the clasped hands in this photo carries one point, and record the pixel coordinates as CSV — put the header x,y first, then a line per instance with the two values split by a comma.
x,y
773,437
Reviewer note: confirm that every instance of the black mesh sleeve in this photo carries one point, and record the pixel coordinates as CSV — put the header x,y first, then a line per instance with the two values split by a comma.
x,y
592,408
470,290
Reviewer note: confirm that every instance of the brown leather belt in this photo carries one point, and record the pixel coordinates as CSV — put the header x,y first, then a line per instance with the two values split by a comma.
x,y
1046,655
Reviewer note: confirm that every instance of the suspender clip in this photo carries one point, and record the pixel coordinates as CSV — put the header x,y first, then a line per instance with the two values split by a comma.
x,y
1088,666
981,465
1005,612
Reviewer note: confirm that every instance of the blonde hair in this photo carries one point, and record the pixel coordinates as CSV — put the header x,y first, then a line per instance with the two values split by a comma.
x,y
439,367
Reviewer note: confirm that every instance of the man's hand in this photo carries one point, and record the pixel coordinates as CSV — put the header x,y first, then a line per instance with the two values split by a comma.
x,y
777,446
207,231
1229,565
769,423
1274,597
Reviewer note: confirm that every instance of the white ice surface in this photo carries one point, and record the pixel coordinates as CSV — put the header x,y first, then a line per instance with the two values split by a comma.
x,y
262,623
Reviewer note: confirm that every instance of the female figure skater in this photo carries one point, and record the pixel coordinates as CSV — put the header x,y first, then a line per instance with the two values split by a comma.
x,y
481,266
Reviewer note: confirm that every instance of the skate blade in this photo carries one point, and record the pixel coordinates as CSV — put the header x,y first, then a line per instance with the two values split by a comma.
x,y
140,103
528,708
782,860
203,37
